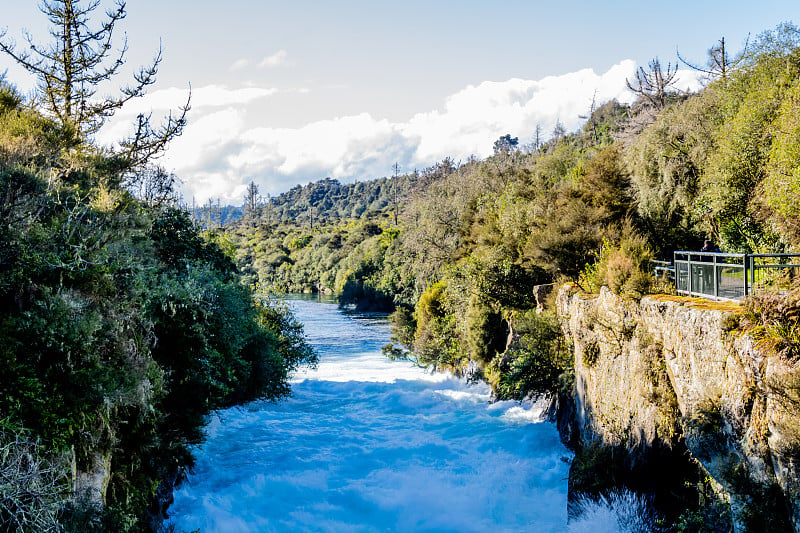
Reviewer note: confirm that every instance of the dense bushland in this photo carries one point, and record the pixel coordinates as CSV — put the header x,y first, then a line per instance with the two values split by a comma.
x,y
122,328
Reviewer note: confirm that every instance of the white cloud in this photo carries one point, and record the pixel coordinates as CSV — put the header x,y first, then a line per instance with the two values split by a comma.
x,y
333,144
218,159
203,97
203,101
277,59
274,60
690,80
240,64
474,117
219,152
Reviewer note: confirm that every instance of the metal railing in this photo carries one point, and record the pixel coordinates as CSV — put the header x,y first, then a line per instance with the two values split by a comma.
x,y
721,276
663,269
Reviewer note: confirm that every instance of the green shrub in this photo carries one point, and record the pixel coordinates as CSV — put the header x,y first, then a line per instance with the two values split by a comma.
x,y
403,326
731,322
624,267
591,353
535,362
436,341
773,319
496,281
486,331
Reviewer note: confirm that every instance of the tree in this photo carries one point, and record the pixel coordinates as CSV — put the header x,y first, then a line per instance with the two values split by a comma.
x,y
719,63
155,186
537,138
394,190
252,200
71,69
33,487
590,116
655,83
559,131
268,208
505,144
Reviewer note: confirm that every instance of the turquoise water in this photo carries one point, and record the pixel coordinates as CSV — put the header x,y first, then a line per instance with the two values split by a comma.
x,y
366,444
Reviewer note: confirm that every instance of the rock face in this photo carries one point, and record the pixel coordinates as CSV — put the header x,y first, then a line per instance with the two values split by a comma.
x,y
661,372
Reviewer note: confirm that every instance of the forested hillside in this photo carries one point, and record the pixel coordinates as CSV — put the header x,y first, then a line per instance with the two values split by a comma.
x,y
328,200
593,206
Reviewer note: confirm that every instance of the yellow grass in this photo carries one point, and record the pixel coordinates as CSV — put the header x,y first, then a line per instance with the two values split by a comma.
x,y
700,303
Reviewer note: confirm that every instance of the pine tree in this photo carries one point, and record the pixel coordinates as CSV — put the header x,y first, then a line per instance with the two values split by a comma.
x,y
72,67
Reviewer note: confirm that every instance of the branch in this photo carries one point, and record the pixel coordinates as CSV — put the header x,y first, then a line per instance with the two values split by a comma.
x,y
148,143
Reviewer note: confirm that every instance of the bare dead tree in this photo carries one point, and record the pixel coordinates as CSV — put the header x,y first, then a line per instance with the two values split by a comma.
x,y
33,488
719,64
654,83
396,168
590,116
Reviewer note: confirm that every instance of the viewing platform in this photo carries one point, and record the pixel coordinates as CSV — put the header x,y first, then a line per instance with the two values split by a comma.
x,y
725,276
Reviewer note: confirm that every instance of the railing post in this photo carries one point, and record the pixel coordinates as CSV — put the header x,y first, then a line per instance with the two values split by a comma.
x,y
716,285
689,272
745,272
677,271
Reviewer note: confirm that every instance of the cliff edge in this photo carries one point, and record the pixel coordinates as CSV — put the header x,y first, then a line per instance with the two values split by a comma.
x,y
667,372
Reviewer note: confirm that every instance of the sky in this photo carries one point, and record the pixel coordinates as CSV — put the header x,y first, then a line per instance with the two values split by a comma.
x,y
285,93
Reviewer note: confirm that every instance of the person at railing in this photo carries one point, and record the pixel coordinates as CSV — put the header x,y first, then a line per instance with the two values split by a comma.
x,y
709,246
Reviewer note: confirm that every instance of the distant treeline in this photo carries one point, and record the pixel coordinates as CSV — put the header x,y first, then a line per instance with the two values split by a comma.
x,y
315,203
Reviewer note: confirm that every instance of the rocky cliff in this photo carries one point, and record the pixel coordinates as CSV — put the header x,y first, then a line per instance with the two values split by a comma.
x,y
676,373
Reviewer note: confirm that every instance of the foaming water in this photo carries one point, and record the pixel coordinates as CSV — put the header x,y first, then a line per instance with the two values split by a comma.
x,y
621,511
366,444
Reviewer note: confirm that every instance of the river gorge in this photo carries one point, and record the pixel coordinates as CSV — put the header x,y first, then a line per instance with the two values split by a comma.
x,y
368,444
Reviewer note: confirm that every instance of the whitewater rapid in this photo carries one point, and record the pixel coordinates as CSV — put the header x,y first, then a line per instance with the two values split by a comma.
x,y
366,444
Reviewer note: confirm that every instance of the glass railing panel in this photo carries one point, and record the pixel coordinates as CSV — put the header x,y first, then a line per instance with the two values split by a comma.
x,y
722,275
730,281
703,278
681,276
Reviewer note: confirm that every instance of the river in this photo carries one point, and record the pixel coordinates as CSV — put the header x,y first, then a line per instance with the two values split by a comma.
x,y
366,444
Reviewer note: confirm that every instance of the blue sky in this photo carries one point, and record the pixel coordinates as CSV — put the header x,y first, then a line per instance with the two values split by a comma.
x,y
291,92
